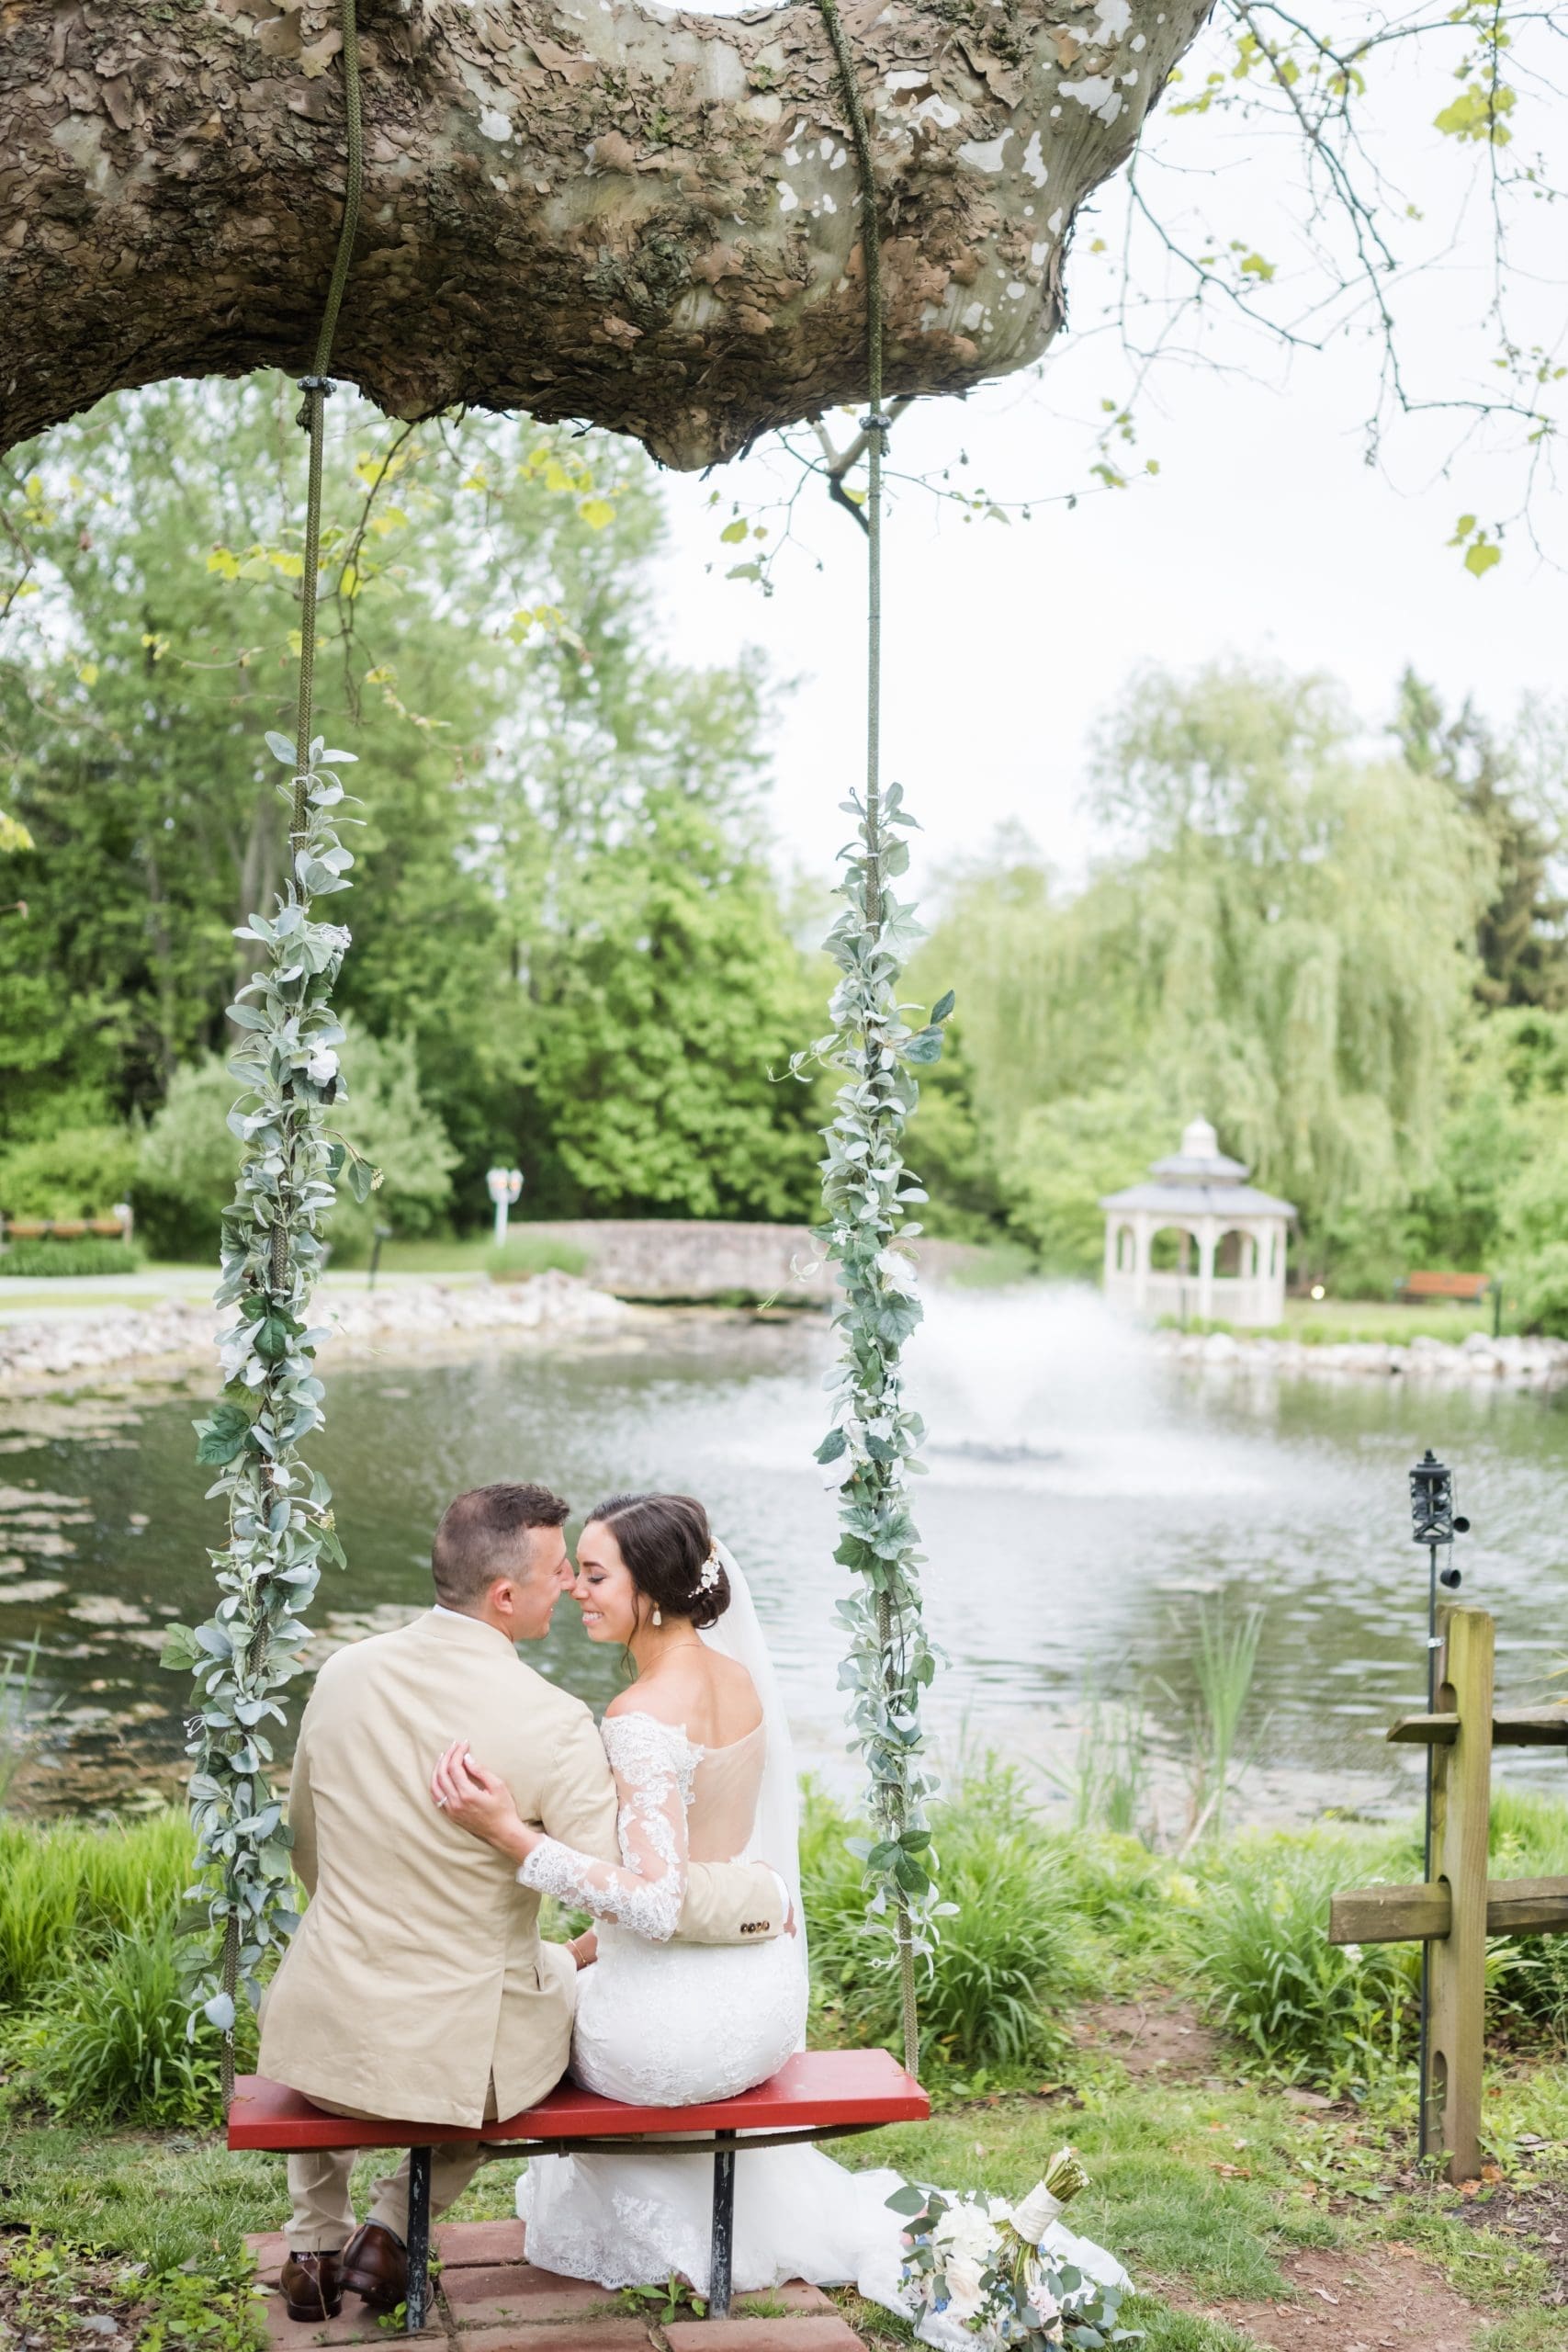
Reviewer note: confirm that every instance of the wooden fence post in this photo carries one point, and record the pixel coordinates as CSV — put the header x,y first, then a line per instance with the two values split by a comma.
x,y
1459,1826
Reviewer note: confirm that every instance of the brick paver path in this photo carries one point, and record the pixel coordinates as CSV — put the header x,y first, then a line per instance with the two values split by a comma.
x,y
492,2298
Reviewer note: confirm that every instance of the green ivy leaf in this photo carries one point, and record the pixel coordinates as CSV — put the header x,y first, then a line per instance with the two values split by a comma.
x,y
222,1434
363,1179
179,1652
925,1046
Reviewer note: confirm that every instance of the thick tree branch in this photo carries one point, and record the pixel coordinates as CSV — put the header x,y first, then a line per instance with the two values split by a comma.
x,y
591,209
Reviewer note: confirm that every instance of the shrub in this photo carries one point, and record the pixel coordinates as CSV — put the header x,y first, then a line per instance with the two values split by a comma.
x,y
71,1888
91,1988
1538,1290
1004,1959
1313,2010
81,1171
70,1257
110,2045
1119,1889
186,1174
533,1253
1529,1839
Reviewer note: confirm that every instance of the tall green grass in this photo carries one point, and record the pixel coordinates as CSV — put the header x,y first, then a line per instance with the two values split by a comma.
x,y
1006,1959
110,2042
18,1729
1224,1661
1312,2011
1529,1839
93,2017
68,1889
523,1254
93,2020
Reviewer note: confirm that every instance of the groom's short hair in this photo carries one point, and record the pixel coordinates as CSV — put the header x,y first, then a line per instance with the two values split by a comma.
x,y
476,1541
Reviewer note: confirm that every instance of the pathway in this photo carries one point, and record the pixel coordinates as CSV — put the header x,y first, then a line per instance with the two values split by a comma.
x,y
492,2298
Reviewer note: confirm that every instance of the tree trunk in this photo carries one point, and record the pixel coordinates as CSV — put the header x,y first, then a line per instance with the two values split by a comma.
x,y
588,209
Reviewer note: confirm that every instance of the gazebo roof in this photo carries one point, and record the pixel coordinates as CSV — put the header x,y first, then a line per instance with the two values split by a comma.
x,y
1199,1181
1231,1201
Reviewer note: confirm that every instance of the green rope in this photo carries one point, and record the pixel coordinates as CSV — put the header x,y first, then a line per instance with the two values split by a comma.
x,y
312,415
312,418
875,426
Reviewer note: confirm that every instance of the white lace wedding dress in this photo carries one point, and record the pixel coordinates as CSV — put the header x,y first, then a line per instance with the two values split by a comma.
x,y
666,2024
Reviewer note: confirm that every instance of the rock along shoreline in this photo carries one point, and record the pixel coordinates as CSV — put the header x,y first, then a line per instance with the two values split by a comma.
x,y
1476,1360
433,1315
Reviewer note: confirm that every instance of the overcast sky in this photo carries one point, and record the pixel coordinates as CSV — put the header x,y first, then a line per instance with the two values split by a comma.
x,y
1265,532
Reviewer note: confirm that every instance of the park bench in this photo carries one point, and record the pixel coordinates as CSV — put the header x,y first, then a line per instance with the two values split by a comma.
x,y
1469,1288
818,2095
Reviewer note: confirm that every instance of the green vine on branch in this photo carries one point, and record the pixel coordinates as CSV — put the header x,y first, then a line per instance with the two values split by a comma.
x,y
872,1449
280,1518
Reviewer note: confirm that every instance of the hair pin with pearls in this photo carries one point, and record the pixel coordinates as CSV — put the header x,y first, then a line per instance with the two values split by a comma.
x,y
708,1574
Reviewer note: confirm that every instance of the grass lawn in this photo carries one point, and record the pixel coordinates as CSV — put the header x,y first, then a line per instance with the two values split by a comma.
x,y
1320,1322
1214,2190
1248,2183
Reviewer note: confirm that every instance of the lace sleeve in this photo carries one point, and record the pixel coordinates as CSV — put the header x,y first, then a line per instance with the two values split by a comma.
x,y
654,1765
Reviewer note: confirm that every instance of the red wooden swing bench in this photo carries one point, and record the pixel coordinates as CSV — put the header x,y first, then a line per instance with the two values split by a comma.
x,y
818,2095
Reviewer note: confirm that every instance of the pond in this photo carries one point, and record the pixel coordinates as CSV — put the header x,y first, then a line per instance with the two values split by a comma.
x,y
1085,1501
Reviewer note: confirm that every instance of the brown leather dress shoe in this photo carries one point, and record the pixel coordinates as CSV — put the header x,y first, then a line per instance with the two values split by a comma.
x,y
376,2265
313,2288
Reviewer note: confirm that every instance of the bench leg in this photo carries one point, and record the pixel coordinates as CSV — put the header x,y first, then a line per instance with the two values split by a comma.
x,y
723,2229
419,2240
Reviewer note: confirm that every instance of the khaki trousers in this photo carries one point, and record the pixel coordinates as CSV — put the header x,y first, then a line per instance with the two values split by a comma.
x,y
321,2217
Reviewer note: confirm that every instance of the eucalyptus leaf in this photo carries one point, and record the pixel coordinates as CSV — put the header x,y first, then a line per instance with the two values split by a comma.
x,y
279,1517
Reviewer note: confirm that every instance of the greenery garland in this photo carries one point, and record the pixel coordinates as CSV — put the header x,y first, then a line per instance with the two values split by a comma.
x,y
872,1450
280,1518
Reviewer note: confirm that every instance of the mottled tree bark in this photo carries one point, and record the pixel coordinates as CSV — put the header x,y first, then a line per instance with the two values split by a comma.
x,y
581,208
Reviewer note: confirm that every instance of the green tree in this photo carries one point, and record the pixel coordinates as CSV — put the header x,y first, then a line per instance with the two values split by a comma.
x,y
660,1013
184,1175
1522,934
1280,939
75,1173
541,775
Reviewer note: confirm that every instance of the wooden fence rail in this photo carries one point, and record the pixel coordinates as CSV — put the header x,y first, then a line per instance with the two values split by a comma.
x,y
1460,1908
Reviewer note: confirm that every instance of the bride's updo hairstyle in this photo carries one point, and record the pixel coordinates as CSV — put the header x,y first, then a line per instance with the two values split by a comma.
x,y
666,1544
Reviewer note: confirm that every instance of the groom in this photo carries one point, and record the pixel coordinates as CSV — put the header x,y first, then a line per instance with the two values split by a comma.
x,y
417,1985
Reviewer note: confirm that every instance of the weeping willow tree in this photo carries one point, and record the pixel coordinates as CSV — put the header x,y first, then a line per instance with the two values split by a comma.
x,y
1280,938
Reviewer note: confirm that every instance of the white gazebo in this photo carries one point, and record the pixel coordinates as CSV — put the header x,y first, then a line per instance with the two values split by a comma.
x,y
1198,1242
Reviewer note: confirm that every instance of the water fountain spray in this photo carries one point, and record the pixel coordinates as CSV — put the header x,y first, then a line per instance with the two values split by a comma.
x,y
1432,1512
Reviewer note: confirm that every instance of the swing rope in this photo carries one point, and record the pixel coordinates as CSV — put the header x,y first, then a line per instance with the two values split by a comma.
x,y
315,387
875,426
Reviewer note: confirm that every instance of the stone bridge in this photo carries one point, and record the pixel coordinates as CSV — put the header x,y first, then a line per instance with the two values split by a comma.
x,y
684,1257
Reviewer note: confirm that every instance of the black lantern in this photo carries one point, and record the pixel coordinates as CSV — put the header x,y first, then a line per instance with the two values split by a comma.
x,y
1432,1510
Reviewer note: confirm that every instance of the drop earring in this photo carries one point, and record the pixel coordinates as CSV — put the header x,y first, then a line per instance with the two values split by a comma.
x,y
659,1616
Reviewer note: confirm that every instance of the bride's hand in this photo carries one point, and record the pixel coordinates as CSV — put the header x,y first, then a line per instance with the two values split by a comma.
x,y
481,1803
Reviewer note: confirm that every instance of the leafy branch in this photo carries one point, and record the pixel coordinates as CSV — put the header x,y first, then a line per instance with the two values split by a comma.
x,y
280,1518
871,1449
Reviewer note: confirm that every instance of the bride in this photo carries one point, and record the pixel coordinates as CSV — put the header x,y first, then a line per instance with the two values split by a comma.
x,y
705,1771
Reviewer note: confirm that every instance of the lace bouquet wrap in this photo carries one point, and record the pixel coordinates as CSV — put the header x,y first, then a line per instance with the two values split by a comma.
x,y
985,2267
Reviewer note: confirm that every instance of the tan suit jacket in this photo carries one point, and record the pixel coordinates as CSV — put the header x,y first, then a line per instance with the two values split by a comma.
x,y
418,1971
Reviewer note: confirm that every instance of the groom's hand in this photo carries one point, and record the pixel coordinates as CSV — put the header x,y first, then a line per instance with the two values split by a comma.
x,y
481,1803
790,1924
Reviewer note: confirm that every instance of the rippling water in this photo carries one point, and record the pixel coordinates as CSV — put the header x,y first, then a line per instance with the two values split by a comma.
x,y
1083,1497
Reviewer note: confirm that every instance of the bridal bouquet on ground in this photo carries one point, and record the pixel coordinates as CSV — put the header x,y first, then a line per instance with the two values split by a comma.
x,y
983,2266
